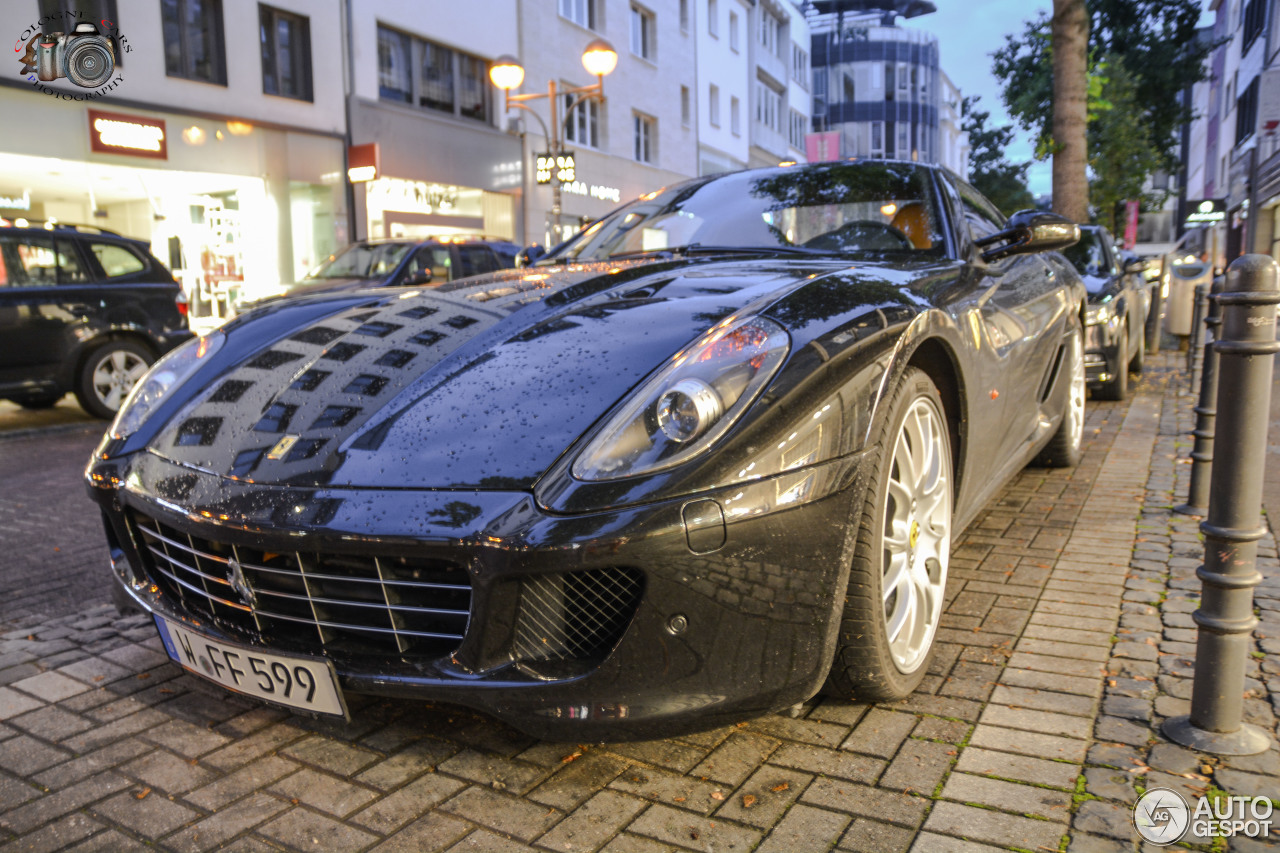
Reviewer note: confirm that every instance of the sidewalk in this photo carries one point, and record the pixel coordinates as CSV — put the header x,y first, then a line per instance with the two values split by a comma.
x,y
1067,637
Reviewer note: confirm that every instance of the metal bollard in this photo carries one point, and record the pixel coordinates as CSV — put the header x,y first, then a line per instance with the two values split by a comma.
x,y
1195,351
1233,528
1206,412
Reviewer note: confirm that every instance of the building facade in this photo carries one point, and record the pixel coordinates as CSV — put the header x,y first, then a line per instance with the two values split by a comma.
x,y
219,137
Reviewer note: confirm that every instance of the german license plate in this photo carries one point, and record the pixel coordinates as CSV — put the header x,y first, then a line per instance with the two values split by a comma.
x,y
296,682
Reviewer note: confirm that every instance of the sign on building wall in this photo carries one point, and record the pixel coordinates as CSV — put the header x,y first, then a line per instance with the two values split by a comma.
x,y
121,133
822,147
1206,211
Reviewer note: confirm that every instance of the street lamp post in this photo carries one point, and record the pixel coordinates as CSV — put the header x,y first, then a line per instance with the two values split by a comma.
x,y
599,58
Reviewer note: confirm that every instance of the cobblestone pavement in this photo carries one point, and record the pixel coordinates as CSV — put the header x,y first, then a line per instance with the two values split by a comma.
x,y
1067,628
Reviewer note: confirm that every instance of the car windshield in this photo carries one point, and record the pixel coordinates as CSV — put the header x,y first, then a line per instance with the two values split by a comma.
x,y
843,208
1089,256
362,260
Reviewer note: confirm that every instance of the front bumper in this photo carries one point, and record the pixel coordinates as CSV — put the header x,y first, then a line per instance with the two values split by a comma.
x,y
736,613
1101,353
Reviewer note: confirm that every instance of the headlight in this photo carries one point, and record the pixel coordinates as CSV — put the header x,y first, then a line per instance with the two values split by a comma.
x,y
1097,314
165,375
690,403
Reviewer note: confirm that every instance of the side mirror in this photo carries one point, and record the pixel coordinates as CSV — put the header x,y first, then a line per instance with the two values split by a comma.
x,y
529,255
1135,266
1029,231
415,278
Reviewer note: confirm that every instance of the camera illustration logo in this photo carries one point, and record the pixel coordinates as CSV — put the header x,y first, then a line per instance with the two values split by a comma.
x,y
1161,816
84,56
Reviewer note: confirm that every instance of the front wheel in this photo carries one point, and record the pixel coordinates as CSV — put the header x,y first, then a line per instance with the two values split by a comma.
x,y
1063,450
108,375
898,578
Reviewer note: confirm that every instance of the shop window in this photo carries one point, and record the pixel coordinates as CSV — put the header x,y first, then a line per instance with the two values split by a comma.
x,y
116,260
286,53
193,42
642,32
416,71
646,138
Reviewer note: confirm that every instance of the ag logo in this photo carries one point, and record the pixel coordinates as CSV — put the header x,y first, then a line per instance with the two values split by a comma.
x,y
235,577
1161,816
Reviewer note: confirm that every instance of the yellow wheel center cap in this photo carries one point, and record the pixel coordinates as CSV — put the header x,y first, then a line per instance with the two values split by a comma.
x,y
915,533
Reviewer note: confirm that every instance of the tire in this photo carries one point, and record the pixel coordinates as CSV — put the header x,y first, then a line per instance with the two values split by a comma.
x,y
1118,387
108,374
1139,359
903,539
1063,450
46,400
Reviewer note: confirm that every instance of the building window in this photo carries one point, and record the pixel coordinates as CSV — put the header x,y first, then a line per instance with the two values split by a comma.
x,y
646,138
420,72
286,53
1247,112
904,139
800,65
581,12
193,45
642,32
877,139
768,33
768,106
714,105
582,123
797,129
735,116
686,109
902,78
684,16
1255,18
733,31
713,18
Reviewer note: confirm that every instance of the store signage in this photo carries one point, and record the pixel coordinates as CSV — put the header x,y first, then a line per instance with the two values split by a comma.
x,y
560,166
362,162
1206,211
120,133
822,147
603,193
413,196
15,203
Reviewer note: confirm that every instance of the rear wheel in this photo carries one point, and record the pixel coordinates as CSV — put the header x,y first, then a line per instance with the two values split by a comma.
x,y
108,375
898,578
1063,450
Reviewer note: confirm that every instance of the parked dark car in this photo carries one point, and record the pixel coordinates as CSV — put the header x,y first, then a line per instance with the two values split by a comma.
x,y
1116,319
82,310
710,458
402,263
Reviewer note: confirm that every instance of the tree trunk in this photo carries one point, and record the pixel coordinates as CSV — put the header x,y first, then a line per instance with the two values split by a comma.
x,y
1070,32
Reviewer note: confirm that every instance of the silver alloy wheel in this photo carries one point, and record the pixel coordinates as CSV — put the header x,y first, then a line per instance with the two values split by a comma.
x,y
917,535
1075,393
114,376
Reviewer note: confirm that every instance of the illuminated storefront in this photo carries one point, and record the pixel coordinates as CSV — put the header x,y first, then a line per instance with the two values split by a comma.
x,y
232,207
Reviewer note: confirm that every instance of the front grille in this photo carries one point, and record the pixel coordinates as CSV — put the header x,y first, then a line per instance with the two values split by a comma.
x,y
575,615
352,603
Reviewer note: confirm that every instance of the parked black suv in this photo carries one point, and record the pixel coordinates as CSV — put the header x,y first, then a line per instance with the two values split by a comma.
x,y
82,310
403,262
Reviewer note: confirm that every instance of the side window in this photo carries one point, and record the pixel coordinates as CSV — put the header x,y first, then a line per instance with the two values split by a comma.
x,y
435,259
982,219
117,260
475,260
29,261
70,270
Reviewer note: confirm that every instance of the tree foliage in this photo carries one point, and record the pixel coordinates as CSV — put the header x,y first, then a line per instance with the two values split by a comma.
x,y
1120,153
1154,39
1003,182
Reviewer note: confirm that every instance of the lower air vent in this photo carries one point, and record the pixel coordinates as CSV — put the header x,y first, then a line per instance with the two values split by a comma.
x,y
575,615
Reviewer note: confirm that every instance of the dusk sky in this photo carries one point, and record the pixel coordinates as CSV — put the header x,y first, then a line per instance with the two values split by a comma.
x,y
968,32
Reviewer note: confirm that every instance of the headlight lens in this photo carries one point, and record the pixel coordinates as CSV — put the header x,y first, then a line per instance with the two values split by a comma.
x,y
165,375
689,404
1097,314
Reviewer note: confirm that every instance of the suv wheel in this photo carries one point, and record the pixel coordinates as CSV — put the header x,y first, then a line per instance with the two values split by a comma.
x,y
109,374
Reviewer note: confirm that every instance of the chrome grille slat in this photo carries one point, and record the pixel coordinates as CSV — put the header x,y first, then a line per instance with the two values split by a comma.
x,y
351,602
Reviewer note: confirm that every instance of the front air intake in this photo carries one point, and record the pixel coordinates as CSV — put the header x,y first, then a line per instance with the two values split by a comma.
x,y
578,616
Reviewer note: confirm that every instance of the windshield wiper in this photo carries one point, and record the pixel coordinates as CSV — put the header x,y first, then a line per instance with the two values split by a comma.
x,y
700,249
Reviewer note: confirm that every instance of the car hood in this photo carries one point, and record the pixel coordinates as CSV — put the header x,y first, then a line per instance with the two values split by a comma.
x,y
482,383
